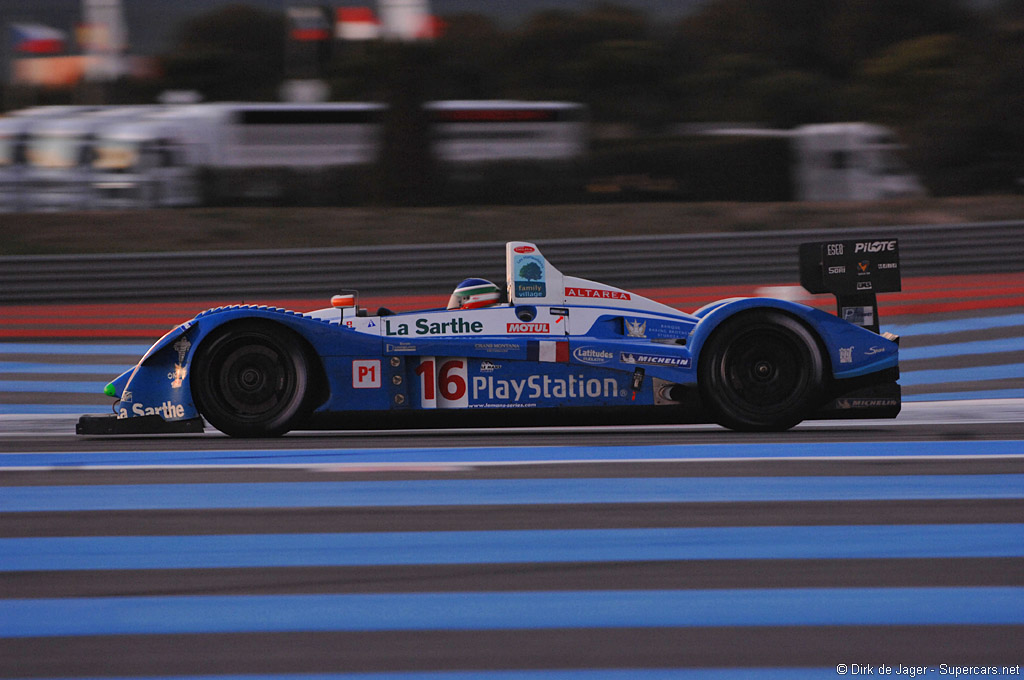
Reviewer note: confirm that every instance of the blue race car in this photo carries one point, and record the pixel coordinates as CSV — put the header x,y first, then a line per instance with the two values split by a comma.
x,y
544,349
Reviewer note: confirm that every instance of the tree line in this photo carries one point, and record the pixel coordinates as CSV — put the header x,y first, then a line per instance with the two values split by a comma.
x,y
947,75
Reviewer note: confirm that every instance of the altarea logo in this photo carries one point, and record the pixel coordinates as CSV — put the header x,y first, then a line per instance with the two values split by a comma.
x,y
595,293
528,327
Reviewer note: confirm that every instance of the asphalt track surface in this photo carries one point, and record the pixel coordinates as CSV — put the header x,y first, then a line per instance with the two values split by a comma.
x,y
593,553
578,552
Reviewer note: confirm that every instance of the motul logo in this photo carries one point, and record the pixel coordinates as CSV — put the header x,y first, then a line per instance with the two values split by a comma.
x,y
533,327
524,249
875,247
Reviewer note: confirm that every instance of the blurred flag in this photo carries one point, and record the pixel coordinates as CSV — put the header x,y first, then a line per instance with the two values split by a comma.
x,y
356,23
432,28
308,24
36,39
93,37
408,20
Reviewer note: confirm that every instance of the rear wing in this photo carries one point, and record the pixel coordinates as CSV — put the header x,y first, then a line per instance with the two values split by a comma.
x,y
855,272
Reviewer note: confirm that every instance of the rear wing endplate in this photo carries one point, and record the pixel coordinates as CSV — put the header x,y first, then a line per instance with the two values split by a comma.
x,y
855,272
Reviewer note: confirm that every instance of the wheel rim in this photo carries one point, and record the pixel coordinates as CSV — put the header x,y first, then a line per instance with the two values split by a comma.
x,y
250,383
255,381
763,370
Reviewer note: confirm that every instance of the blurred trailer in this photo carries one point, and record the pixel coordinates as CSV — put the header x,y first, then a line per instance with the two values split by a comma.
x,y
59,153
322,153
231,152
519,150
15,129
150,163
851,162
496,131
841,161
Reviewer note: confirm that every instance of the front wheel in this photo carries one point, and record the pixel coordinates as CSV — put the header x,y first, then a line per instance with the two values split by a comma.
x,y
761,370
252,379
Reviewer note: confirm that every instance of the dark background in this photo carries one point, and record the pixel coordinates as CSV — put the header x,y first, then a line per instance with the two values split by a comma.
x,y
946,75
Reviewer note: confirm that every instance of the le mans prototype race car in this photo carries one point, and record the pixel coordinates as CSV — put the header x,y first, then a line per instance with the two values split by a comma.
x,y
546,349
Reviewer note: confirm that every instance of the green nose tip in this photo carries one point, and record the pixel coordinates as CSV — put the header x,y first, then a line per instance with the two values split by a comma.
x,y
109,390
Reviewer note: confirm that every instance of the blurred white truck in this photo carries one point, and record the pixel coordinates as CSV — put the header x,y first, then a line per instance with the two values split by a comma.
x,y
839,161
15,129
850,162
59,152
494,131
209,153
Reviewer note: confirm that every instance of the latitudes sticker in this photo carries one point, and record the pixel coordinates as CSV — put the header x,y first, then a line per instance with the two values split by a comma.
x,y
593,355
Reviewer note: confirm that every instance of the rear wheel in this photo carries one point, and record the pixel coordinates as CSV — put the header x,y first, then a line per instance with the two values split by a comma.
x,y
252,379
761,370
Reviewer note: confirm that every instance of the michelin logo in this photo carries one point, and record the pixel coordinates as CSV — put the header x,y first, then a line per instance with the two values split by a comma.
x,y
653,360
866,403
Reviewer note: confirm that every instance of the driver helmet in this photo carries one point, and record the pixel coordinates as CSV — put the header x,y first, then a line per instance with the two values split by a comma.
x,y
474,294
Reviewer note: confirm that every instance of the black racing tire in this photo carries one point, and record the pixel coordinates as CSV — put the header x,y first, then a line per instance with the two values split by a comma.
x,y
253,379
761,370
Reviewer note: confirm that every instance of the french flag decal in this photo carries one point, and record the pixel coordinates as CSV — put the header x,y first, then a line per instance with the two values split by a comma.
x,y
550,351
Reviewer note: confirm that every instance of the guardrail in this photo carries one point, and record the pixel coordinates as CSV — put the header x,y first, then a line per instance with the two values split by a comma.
x,y
627,262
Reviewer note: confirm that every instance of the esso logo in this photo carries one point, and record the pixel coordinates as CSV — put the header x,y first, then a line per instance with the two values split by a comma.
x,y
524,249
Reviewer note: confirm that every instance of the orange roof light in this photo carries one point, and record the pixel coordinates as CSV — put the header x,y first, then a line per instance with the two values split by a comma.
x,y
348,300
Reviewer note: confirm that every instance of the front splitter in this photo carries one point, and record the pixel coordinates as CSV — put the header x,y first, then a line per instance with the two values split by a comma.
x,y
153,424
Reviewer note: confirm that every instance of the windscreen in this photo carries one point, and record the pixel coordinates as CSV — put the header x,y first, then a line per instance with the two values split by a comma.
x,y
116,155
54,151
8,150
